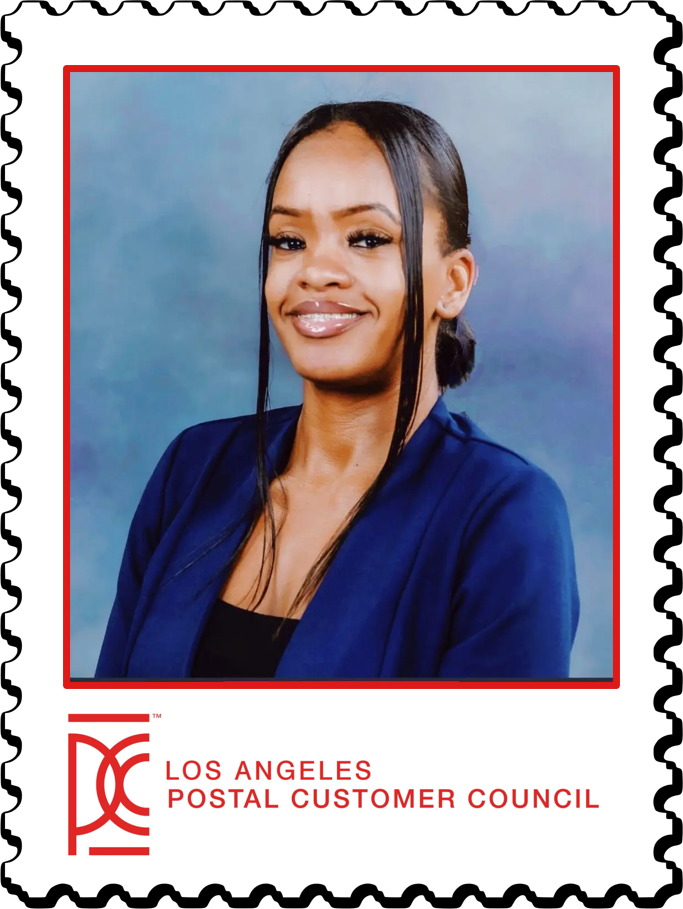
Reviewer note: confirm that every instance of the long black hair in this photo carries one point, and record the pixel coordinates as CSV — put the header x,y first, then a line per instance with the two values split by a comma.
x,y
421,157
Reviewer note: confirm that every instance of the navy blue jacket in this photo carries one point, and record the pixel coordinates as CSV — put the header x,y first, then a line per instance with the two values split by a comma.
x,y
462,566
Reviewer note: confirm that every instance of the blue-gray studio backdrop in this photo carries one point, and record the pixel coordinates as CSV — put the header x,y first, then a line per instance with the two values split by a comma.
x,y
167,186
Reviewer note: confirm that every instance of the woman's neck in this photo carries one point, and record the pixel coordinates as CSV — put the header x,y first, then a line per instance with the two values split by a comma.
x,y
343,437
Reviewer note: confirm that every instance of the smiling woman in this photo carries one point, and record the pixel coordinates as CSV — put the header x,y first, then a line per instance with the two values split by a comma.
x,y
367,533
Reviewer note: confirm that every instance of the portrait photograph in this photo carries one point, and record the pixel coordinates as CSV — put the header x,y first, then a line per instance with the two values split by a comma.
x,y
341,375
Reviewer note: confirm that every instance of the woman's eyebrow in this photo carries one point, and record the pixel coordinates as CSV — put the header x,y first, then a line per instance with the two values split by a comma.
x,y
340,212
369,206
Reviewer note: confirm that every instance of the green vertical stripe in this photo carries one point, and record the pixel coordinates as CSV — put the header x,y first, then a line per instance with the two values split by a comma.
x,y
639,830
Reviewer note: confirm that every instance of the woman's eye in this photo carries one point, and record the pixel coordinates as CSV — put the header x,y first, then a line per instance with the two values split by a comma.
x,y
368,240
289,244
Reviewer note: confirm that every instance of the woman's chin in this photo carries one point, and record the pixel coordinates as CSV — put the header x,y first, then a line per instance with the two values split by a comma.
x,y
349,378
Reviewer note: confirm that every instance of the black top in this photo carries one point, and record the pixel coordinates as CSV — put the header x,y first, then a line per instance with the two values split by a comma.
x,y
239,644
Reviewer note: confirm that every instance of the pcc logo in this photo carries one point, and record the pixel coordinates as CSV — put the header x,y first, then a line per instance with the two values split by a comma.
x,y
92,788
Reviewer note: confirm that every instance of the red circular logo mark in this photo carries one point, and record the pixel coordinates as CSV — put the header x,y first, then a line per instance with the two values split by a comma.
x,y
109,808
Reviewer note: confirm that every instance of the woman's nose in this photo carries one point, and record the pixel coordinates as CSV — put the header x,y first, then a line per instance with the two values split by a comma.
x,y
323,269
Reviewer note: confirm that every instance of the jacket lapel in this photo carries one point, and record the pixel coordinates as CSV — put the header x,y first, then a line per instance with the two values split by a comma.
x,y
196,552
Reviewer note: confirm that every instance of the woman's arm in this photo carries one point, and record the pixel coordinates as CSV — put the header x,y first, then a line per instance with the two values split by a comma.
x,y
149,522
517,605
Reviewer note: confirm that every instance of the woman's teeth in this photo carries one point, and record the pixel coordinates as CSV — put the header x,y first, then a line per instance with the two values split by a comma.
x,y
328,316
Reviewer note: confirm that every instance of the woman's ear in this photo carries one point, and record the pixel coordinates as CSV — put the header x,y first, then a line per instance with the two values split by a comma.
x,y
461,276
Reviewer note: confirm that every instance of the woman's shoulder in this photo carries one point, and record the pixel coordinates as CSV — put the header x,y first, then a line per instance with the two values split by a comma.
x,y
196,448
201,442
496,469
212,433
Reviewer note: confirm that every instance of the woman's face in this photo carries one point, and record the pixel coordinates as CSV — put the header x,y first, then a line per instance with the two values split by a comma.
x,y
335,287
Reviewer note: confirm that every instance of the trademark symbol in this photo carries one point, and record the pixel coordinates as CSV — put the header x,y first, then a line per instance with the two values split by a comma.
x,y
157,716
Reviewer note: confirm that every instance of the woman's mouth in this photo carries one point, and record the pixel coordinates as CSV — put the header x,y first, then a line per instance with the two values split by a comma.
x,y
324,318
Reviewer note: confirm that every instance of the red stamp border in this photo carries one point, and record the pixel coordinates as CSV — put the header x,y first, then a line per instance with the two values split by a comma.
x,y
637,277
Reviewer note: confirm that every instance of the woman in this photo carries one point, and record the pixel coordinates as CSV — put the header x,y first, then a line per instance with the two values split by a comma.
x,y
368,533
